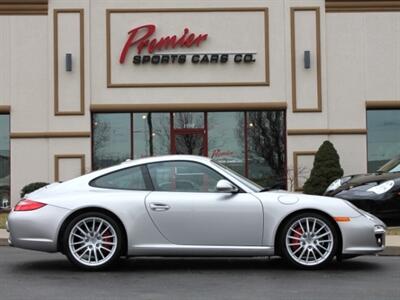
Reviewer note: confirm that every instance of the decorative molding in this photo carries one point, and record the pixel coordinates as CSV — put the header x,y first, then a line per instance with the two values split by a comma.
x,y
382,104
57,159
5,109
110,84
296,155
188,107
327,131
50,134
81,111
24,7
343,6
293,11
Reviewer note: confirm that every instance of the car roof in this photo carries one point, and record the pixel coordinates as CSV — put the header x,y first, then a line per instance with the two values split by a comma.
x,y
162,158
140,161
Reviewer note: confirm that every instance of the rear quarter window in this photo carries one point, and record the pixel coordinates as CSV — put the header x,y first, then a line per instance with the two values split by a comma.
x,y
125,179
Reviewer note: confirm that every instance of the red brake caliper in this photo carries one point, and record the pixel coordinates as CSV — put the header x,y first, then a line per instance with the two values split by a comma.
x,y
296,234
108,239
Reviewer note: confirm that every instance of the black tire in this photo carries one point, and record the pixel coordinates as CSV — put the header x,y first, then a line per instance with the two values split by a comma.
x,y
112,257
307,243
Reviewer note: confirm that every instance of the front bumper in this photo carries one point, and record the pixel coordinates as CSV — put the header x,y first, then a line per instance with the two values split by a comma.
x,y
36,230
363,235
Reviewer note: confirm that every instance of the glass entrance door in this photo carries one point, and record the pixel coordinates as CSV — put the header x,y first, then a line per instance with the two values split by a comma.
x,y
189,133
189,142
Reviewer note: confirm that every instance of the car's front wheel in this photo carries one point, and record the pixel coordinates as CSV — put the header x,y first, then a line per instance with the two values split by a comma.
x,y
92,241
309,240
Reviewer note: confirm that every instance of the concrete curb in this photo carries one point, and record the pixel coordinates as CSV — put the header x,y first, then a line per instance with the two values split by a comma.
x,y
390,251
3,242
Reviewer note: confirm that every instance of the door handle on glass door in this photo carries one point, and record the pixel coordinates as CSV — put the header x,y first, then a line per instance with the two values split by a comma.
x,y
159,206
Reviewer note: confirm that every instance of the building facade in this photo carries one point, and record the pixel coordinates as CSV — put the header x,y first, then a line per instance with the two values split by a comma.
x,y
256,84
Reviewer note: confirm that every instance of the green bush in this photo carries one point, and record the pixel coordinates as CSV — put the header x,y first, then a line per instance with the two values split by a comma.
x,y
325,170
32,187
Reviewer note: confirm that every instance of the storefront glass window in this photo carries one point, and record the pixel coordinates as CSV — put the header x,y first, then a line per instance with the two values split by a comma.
x,y
266,148
151,134
251,143
226,139
4,160
383,137
111,139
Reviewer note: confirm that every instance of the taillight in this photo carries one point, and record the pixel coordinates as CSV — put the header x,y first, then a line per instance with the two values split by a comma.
x,y
27,205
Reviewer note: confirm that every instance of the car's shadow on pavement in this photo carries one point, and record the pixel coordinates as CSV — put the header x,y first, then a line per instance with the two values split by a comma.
x,y
196,264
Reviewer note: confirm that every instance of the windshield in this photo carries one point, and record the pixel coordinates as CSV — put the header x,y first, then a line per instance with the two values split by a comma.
x,y
247,182
391,166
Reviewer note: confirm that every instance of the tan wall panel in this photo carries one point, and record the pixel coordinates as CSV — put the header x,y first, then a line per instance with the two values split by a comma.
x,y
68,166
29,76
28,166
345,48
381,54
5,53
306,83
68,86
303,162
353,153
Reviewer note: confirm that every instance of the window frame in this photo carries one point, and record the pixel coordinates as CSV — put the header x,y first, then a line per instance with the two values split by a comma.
x,y
195,162
368,135
148,184
8,114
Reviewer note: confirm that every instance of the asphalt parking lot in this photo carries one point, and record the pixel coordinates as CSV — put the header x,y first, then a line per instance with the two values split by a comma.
x,y
34,275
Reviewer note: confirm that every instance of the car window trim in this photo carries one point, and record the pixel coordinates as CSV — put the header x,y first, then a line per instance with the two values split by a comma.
x,y
147,178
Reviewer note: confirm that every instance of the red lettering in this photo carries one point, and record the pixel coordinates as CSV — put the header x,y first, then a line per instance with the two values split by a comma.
x,y
181,41
201,38
219,153
143,40
150,29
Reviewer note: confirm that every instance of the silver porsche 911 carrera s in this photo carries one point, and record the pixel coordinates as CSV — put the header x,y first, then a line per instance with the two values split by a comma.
x,y
187,206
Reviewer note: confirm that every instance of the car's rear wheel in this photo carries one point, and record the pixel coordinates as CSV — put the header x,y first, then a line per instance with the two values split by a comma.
x,y
309,241
92,241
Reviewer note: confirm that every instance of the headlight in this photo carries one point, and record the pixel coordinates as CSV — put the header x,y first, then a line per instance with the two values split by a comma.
x,y
382,188
337,183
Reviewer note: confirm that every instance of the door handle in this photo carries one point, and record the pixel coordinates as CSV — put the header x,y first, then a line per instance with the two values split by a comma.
x,y
159,206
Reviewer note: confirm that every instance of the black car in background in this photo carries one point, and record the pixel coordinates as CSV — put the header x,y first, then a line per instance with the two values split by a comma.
x,y
377,193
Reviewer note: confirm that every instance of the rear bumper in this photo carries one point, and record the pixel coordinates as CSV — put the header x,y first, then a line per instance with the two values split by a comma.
x,y
36,230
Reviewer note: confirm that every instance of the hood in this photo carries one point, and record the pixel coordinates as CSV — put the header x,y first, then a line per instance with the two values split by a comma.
x,y
361,179
291,202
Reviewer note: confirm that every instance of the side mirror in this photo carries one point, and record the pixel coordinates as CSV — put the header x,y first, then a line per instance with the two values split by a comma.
x,y
226,187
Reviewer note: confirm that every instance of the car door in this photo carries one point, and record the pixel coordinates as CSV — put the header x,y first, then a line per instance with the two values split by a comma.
x,y
187,209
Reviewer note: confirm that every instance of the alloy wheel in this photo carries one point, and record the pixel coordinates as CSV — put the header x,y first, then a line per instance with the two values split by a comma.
x,y
309,241
93,241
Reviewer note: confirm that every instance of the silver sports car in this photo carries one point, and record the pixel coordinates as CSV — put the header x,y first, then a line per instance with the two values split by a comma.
x,y
187,206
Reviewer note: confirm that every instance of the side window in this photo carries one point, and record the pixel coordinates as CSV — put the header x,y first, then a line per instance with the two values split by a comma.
x,y
183,176
126,179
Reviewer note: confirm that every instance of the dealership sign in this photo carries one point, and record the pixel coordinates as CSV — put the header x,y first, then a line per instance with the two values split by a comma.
x,y
191,47
144,39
